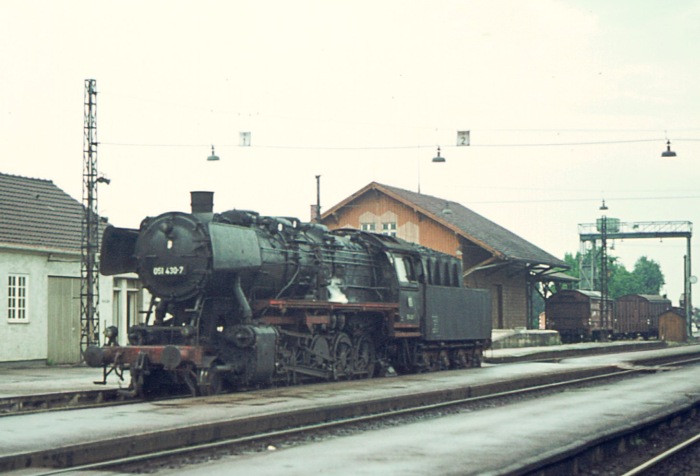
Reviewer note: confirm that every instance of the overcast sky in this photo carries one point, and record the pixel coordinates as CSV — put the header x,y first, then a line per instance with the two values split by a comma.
x,y
568,102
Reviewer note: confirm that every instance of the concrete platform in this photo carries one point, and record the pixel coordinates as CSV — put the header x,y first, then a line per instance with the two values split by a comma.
x,y
520,337
555,352
35,378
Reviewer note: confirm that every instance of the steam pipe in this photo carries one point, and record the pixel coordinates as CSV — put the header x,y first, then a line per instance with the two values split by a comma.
x,y
242,300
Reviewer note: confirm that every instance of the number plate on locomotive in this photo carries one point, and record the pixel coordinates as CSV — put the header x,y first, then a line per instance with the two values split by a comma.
x,y
168,270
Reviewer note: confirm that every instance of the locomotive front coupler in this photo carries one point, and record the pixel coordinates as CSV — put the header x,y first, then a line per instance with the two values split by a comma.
x,y
113,367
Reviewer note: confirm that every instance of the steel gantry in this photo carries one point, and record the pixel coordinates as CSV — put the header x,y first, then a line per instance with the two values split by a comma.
x,y
612,228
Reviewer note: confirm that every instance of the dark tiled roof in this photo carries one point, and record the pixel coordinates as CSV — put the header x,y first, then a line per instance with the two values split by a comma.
x,y
472,226
35,213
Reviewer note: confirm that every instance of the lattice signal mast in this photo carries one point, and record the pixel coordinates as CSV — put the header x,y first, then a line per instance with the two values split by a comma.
x,y
89,269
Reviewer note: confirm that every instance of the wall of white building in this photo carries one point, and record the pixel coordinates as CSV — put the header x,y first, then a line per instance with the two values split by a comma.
x,y
27,339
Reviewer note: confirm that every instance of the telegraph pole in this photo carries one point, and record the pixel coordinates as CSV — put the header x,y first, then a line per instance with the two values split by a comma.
x,y
604,267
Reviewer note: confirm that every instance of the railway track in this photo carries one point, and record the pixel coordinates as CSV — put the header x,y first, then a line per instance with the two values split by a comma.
x,y
25,404
664,462
667,445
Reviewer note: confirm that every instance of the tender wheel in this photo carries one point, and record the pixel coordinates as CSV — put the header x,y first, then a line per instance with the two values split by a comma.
x,y
461,359
443,360
476,358
343,361
364,355
429,361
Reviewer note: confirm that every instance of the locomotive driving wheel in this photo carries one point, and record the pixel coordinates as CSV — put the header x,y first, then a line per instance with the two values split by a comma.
x,y
364,356
343,358
318,354
293,356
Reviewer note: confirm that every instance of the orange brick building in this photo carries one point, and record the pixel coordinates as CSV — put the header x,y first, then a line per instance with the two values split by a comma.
x,y
493,258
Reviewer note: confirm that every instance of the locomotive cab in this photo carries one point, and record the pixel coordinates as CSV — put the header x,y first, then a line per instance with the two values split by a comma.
x,y
409,275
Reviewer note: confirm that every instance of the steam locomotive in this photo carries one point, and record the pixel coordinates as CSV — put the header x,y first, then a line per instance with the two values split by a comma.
x,y
241,300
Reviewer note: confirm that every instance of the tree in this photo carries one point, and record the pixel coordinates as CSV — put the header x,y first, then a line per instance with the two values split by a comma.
x,y
573,262
648,276
645,278
620,281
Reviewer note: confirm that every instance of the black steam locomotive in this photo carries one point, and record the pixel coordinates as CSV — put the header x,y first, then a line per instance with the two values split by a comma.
x,y
242,300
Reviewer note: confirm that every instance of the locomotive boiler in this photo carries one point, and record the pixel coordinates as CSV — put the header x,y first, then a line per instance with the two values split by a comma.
x,y
241,300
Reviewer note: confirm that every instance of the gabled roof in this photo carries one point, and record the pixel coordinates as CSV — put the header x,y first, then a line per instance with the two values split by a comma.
x,y
36,214
500,242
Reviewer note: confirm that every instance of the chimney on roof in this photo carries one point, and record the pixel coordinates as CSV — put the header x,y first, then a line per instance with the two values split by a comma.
x,y
202,202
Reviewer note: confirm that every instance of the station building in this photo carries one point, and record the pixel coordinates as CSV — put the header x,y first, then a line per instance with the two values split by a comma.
x,y
492,257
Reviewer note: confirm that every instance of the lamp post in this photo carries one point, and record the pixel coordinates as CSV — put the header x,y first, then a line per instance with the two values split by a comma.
x,y
603,266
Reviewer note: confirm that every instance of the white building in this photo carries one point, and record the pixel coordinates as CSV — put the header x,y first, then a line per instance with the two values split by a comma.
x,y
40,254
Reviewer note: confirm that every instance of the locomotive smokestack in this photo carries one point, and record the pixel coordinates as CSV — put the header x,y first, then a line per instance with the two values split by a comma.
x,y
202,202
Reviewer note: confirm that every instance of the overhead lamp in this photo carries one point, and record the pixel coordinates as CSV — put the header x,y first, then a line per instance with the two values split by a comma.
x,y
438,157
213,157
603,206
446,210
668,152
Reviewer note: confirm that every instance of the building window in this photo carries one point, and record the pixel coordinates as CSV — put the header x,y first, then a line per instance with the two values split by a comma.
x,y
17,298
389,229
367,227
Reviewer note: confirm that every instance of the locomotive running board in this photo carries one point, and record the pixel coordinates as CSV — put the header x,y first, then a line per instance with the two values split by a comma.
x,y
284,304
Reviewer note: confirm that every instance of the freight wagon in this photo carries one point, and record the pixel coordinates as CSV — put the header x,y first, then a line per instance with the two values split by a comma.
x,y
637,315
576,315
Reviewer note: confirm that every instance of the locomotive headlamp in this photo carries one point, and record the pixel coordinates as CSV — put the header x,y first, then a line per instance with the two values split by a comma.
x,y
167,227
111,332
